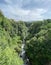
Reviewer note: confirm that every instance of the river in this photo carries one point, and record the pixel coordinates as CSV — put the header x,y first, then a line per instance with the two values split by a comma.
x,y
23,53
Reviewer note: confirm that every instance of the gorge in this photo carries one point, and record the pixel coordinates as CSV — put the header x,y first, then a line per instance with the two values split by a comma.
x,y
25,43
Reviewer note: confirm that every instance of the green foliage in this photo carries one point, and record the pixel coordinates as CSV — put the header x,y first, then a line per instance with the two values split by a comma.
x,y
9,57
9,40
37,36
38,46
22,29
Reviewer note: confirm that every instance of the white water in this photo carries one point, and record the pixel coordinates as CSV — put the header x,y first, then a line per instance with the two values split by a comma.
x,y
23,54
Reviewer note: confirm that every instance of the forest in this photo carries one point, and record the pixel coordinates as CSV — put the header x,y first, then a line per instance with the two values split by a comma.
x,y
37,35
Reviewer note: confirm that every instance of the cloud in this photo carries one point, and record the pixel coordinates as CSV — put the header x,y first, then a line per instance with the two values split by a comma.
x,y
16,9
8,1
14,12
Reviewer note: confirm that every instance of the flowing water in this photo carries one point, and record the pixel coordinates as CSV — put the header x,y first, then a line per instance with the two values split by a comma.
x,y
23,54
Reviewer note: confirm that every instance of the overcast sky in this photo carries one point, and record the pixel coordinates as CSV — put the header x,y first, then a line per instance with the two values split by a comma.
x,y
26,10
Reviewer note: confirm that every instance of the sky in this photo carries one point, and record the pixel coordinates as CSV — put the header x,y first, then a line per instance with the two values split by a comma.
x,y
26,10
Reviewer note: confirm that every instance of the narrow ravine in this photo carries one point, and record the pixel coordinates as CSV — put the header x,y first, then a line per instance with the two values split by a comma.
x,y
23,53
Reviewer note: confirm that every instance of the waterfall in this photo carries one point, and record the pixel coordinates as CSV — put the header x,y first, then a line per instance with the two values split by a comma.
x,y
23,54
